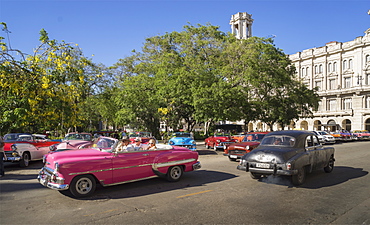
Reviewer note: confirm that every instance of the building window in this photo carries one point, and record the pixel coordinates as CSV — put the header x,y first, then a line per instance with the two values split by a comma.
x,y
318,85
316,69
329,67
347,103
350,64
334,66
367,103
367,81
344,64
332,84
306,70
367,58
347,82
320,68
332,104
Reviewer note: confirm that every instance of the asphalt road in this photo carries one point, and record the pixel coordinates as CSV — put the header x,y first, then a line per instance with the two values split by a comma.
x,y
216,194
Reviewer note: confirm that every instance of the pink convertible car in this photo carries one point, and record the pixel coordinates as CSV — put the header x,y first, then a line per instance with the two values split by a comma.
x,y
79,171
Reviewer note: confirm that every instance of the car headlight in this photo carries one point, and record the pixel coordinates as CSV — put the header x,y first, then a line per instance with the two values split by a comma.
x,y
15,154
56,167
171,143
193,142
14,147
218,141
52,147
248,147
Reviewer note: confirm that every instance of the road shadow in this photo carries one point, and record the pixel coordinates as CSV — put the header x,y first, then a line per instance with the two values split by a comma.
x,y
319,179
207,152
157,185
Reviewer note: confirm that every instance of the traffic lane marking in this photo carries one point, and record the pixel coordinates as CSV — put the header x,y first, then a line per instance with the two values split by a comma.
x,y
197,193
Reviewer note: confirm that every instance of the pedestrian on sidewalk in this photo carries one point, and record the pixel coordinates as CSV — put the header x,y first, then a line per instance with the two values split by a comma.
x,y
2,154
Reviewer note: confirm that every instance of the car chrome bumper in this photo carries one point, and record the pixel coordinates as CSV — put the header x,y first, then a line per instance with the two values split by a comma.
x,y
267,171
44,178
12,159
197,166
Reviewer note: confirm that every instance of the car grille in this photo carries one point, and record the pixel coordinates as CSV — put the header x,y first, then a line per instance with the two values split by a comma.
x,y
237,151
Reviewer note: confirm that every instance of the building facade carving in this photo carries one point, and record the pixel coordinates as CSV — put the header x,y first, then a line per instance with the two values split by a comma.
x,y
341,74
339,71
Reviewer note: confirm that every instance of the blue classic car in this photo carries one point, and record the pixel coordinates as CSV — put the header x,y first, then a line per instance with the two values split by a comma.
x,y
183,139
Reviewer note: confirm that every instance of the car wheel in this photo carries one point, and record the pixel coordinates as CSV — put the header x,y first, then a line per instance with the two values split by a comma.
x,y
25,161
255,175
300,177
174,173
330,165
82,186
232,159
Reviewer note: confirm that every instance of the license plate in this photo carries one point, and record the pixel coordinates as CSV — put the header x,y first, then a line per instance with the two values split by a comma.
x,y
233,156
263,165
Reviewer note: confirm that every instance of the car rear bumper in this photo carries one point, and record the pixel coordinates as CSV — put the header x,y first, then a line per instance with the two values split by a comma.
x,y
197,166
267,171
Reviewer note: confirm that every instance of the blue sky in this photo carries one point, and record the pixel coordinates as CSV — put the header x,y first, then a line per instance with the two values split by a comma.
x,y
110,30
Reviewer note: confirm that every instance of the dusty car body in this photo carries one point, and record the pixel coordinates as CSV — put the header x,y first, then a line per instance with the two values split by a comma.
x,y
250,141
72,141
79,171
325,137
219,141
183,139
23,148
290,153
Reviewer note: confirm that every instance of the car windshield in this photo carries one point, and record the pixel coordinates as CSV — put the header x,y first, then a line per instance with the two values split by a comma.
x,y
181,135
279,140
253,137
322,133
222,134
13,136
105,143
85,137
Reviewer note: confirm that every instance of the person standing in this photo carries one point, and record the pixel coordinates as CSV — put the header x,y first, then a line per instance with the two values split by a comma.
x,y
2,154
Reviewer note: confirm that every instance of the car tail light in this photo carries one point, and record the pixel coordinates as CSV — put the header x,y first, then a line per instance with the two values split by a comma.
x,y
288,166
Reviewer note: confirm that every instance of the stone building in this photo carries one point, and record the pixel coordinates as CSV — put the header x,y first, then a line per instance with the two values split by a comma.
x,y
340,71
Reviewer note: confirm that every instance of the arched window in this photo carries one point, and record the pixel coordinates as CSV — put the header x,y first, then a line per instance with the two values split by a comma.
x,y
320,68
316,70
303,72
367,58
334,66
344,64
350,66
329,67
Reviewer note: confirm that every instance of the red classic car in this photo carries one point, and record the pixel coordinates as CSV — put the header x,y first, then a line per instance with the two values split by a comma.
x,y
361,134
23,148
251,141
144,136
219,141
79,171
73,140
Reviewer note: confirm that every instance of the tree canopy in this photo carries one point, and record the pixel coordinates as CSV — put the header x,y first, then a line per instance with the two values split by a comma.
x,y
199,75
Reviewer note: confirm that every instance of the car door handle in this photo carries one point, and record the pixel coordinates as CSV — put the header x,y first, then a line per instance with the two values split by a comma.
x,y
145,154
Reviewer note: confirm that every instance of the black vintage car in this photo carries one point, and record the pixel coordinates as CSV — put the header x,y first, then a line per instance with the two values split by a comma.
x,y
292,152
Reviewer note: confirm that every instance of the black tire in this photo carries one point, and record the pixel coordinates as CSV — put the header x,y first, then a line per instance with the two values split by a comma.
x,y
330,165
232,159
82,186
25,161
174,173
255,175
300,177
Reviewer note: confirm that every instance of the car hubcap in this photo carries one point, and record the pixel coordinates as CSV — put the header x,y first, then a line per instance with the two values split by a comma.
x,y
84,186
